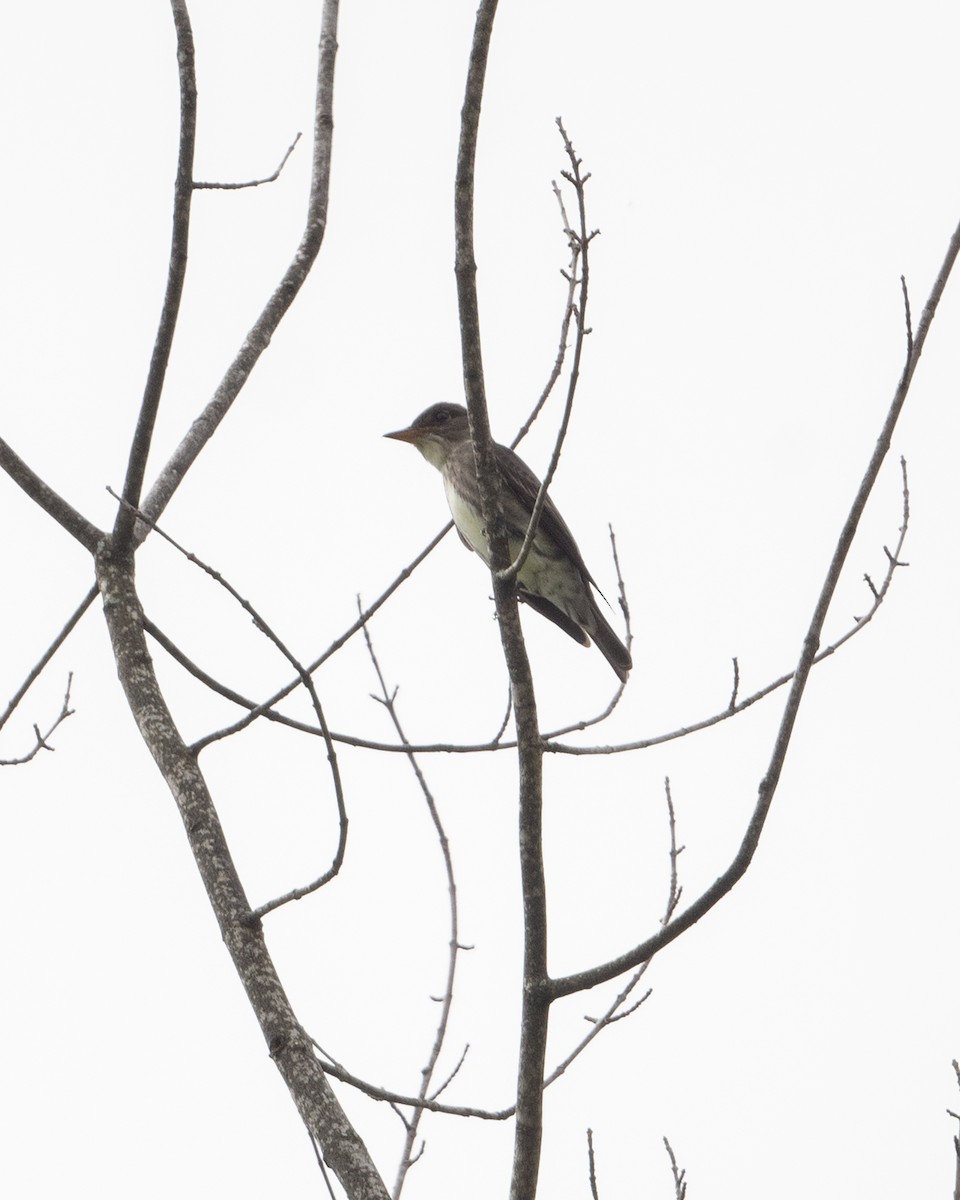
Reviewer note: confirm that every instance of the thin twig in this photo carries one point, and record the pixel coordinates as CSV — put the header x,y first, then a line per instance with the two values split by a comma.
x,y
679,1176
264,707
570,275
732,706
42,742
412,1124
894,561
503,724
907,317
386,1096
592,1166
234,187
509,574
613,1012
48,654
321,1165
956,1139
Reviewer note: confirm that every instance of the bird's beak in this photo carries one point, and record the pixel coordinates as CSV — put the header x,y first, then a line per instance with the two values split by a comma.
x,y
410,434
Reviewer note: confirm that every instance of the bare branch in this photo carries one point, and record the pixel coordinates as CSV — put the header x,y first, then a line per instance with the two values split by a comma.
x,y
570,275
285,293
48,655
732,706
956,1139
535,1002
614,1010
907,317
407,1157
41,742
879,595
264,708
252,183
334,868
429,1103
176,273
442,1087
337,1071
581,243
679,1176
322,1167
808,655
288,1046
86,533
592,1166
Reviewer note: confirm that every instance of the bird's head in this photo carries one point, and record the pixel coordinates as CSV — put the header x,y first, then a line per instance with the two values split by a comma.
x,y
437,431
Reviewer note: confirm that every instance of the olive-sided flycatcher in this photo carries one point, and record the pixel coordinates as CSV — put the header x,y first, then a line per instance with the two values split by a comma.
x,y
554,580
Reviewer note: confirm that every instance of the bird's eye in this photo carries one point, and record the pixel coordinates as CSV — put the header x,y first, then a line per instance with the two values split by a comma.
x,y
441,415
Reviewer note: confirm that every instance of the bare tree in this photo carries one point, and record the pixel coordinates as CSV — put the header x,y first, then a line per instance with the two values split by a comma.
x,y
306,1068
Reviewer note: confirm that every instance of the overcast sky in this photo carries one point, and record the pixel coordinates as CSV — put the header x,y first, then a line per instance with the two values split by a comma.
x,y
761,177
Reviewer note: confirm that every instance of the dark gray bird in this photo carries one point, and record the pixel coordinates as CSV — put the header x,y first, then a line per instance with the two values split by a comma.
x,y
554,580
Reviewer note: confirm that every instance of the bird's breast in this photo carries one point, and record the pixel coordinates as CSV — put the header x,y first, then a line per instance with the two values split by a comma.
x,y
468,520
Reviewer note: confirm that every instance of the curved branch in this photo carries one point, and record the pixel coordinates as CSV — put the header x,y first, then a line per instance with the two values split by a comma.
x,y
337,862
206,185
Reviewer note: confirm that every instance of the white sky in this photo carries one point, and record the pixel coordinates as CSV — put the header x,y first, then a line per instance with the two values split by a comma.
x,y
761,178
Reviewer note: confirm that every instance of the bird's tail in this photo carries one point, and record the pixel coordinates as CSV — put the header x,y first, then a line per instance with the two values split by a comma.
x,y
609,645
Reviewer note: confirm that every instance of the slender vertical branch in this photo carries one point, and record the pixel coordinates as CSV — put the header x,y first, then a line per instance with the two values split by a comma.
x,y
581,241
176,273
535,1002
956,1139
412,1125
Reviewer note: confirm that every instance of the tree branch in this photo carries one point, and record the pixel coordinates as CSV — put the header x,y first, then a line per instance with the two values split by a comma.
x,y
285,293
289,1047
580,241
199,185
48,655
41,738
334,869
768,785
86,533
535,1002
176,273
412,1125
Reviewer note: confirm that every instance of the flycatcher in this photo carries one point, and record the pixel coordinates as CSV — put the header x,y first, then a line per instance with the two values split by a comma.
x,y
554,580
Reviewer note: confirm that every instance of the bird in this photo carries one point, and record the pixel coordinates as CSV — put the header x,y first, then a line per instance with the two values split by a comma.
x,y
554,580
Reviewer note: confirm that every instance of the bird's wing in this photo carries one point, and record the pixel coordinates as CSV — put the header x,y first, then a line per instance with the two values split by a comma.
x,y
521,481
